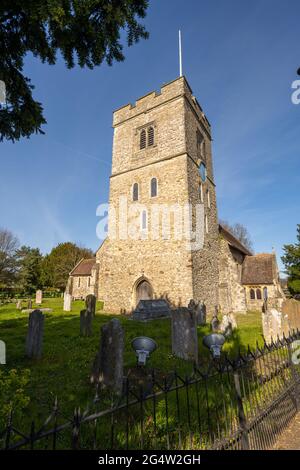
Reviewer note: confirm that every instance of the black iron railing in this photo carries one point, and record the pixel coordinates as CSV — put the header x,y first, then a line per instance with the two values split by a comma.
x,y
240,404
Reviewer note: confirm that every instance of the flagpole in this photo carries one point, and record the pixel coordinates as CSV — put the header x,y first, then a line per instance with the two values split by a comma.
x,y
180,55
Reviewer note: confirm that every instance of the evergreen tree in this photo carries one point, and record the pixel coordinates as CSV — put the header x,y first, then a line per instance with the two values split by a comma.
x,y
30,263
291,260
84,31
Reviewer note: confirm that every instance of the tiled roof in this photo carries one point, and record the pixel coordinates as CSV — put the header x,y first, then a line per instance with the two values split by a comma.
x,y
259,269
84,267
234,242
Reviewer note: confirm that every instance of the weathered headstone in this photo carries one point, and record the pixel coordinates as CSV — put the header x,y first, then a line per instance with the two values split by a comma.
x,y
38,297
34,340
227,325
67,302
108,364
184,334
90,303
275,324
19,305
86,323
215,323
201,313
29,305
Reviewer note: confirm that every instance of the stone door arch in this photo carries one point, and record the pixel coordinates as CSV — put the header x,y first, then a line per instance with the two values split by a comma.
x,y
143,291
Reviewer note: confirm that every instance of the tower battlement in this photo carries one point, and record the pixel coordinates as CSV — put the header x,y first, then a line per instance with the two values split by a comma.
x,y
168,92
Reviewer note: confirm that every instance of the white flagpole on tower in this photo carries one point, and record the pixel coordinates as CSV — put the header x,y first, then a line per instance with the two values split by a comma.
x,y
180,55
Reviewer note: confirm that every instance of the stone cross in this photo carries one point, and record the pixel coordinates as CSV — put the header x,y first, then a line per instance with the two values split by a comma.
x,y
34,339
184,334
86,323
107,369
90,303
67,302
38,297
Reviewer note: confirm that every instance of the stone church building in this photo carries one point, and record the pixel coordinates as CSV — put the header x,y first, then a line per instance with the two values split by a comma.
x,y
162,160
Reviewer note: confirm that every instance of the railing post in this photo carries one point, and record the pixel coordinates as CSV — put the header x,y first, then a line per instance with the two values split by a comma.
x,y
241,413
295,377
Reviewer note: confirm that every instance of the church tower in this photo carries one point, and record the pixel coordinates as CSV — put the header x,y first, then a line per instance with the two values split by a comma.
x,y
161,171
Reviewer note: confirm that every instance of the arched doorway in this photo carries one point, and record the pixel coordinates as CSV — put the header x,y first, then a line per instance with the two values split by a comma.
x,y
144,291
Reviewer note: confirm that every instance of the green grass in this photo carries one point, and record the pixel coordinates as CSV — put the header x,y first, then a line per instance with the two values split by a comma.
x,y
67,358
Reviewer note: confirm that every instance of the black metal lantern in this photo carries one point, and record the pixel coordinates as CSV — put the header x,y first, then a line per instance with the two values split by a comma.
x,y
143,347
214,343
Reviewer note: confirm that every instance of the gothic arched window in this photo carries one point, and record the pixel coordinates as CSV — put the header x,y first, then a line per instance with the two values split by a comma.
x,y
252,294
150,136
143,139
135,192
258,294
153,187
265,293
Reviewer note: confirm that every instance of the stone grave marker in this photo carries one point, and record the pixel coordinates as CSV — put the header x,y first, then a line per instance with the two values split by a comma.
x,y
67,302
151,309
19,305
90,303
34,339
107,369
86,323
38,297
184,334
29,305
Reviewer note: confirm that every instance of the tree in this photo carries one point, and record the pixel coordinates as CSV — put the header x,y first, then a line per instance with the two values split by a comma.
x,y
291,261
8,264
60,261
86,31
240,232
29,273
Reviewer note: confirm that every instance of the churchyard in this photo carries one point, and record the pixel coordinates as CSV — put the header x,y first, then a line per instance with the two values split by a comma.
x,y
64,369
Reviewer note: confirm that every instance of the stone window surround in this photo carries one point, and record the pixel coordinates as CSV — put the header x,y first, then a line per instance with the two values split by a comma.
x,y
135,184
255,289
146,128
150,186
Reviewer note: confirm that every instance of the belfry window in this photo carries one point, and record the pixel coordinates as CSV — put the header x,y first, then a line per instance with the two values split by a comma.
x,y
150,136
153,187
135,192
143,139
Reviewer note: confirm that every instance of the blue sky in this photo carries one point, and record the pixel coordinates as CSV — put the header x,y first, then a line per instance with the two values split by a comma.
x,y
240,59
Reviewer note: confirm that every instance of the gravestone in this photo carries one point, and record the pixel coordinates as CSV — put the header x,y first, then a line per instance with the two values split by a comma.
x,y
29,305
19,305
184,334
86,323
151,309
107,371
38,297
34,340
201,313
275,324
215,323
227,325
90,303
67,302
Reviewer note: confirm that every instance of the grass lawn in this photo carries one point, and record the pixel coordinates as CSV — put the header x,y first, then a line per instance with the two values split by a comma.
x,y
65,366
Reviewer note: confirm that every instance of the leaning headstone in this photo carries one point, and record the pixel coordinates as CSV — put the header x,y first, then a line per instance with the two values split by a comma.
x,y
29,305
34,340
19,305
38,297
86,323
90,303
107,369
184,334
67,302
